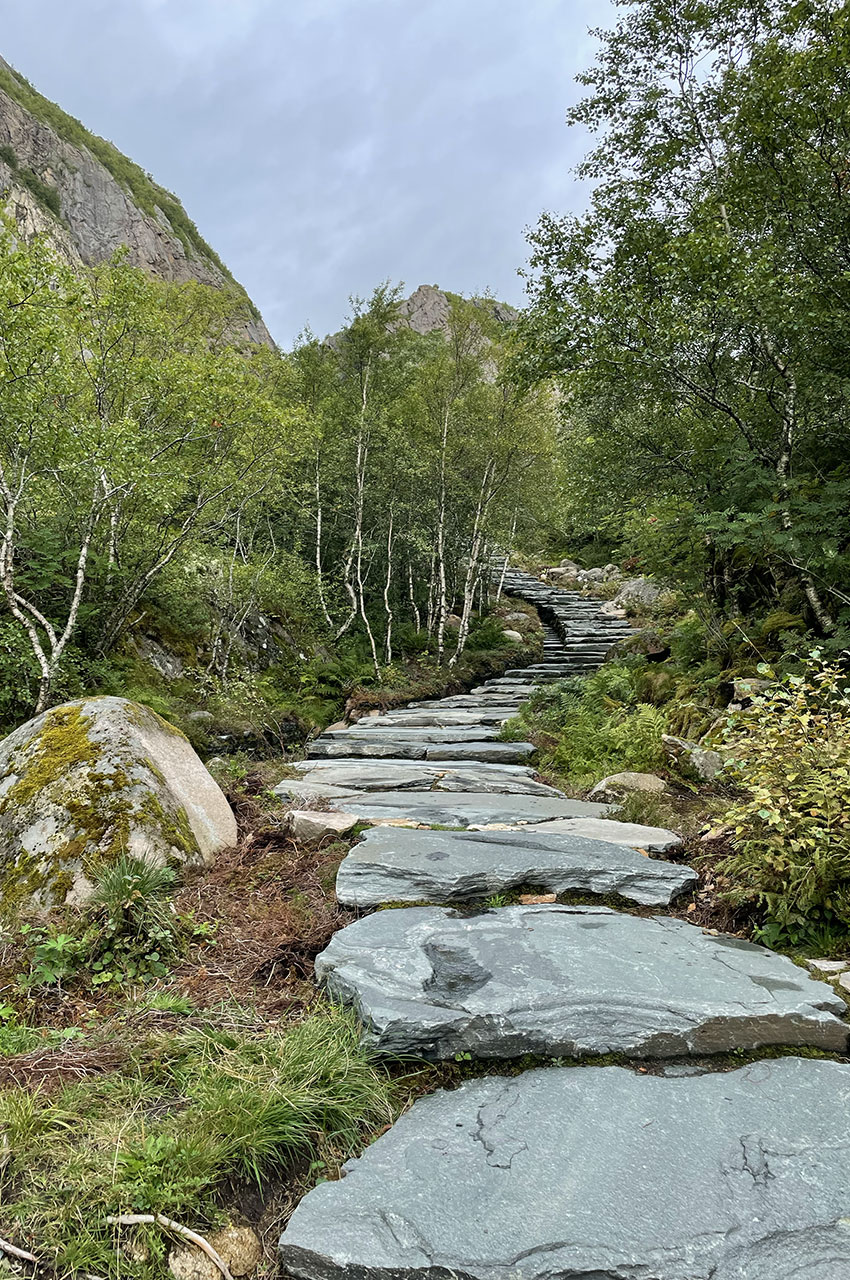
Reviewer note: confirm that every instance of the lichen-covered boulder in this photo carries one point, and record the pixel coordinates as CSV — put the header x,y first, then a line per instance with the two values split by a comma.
x,y
85,782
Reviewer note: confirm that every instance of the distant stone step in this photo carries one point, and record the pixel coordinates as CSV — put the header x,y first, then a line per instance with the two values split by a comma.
x,y
415,775
398,749
401,733
468,808
437,719
569,982
597,1173
391,864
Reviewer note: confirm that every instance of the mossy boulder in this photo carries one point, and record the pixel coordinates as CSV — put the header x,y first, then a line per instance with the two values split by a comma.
x,y
90,780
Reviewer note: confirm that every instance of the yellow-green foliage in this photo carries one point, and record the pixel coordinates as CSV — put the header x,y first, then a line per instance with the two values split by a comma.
x,y
600,724
791,759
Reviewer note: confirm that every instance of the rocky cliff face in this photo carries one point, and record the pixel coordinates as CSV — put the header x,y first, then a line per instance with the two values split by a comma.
x,y
428,308
79,190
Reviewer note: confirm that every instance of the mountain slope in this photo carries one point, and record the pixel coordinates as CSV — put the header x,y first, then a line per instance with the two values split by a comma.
x,y
77,188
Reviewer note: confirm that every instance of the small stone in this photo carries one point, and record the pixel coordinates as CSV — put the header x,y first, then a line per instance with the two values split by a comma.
x,y
238,1247
536,899
706,764
618,783
829,966
310,826
513,636
844,982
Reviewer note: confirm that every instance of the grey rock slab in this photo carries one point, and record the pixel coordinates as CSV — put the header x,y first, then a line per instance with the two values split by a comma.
x,y
437,719
465,808
301,789
391,864
395,748
488,752
653,839
456,733
569,981
337,771
597,1173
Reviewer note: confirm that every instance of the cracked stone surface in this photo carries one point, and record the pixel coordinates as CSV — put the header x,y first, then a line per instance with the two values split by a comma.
x,y
351,776
467,808
391,864
456,733
597,1173
569,981
653,839
399,748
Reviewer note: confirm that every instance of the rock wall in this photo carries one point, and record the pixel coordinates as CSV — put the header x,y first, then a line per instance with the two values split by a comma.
x,y
96,213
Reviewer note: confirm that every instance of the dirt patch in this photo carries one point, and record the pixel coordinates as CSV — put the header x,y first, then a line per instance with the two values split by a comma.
x,y
271,905
49,1069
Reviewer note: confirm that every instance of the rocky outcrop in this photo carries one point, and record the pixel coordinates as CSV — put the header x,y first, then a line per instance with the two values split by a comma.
x,y
569,982
91,780
636,595
428,309
597,1172
695,759
90,204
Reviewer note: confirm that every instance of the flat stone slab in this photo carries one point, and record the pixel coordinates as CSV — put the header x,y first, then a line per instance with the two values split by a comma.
x,y
597,1173
403,733
397,748
391,864
653,839
301,789
434,719
467,808
570,981
350,776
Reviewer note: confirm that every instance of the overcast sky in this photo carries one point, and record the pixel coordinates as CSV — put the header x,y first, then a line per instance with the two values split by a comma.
x,y
325,145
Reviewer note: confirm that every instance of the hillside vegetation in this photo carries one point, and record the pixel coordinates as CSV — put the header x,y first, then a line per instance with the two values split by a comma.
x,y
257,543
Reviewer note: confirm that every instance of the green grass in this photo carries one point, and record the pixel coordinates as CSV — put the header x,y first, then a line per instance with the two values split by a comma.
x,y
185,1115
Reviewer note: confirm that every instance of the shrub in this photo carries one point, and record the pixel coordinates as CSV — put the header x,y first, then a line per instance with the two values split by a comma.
x,y
599,724
790,756
129,931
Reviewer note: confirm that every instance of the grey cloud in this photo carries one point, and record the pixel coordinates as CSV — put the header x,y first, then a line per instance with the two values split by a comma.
x,y
325,145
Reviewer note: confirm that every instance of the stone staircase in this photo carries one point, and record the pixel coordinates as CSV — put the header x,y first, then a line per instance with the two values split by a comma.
x,y
665,1165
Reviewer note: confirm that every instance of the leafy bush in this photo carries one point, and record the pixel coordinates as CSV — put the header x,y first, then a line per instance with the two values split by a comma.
x,y
488,633
597,724
790,756
129,931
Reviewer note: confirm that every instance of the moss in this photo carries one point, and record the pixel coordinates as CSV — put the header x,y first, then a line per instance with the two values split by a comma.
x,y
103,802
62,744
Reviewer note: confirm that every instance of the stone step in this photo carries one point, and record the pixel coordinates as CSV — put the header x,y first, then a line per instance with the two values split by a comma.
x,y
358,776
597,1172
490,752
468,808
651,839
436,719
391,864
455,733
570,981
